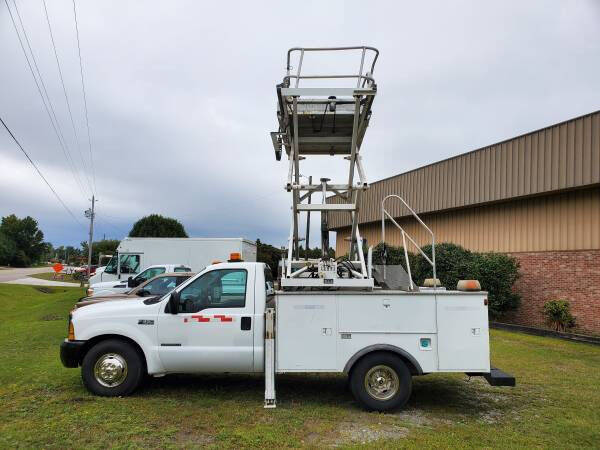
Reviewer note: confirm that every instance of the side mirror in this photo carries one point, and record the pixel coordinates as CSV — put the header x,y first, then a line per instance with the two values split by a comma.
x,y
174,302
130,282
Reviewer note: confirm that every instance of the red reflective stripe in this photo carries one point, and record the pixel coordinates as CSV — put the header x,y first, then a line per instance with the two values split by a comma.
x,y
224,318
201,318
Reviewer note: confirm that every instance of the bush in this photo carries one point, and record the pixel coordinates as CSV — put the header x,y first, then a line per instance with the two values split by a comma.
x,y
496,272
558,314
452,263
395,255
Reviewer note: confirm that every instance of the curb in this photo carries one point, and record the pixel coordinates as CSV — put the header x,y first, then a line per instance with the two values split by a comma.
x,y
546,333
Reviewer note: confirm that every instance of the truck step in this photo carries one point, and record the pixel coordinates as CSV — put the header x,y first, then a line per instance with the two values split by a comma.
x,y
497,377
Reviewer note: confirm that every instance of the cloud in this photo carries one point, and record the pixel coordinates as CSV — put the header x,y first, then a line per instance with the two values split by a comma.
x,y
181,98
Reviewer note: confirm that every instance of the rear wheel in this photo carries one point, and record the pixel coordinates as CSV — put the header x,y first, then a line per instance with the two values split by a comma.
x,y
112,368
381,382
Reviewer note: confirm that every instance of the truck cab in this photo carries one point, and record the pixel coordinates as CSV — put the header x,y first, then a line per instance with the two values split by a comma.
x,y
213,322
123,286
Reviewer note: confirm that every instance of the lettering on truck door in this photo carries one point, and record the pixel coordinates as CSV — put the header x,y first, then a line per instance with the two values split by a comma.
x,y
212,331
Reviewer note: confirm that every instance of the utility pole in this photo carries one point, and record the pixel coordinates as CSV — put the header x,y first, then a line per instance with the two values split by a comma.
x,y
90,215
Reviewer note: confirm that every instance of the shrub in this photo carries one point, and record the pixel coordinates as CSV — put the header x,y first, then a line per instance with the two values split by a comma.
x,y
395,255
558,314
452,263
496,272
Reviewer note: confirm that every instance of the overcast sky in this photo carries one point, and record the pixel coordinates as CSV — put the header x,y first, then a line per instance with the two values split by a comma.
x,y
181,98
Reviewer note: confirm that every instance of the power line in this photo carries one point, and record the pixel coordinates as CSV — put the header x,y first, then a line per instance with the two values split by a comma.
x,y
66,96
47,103
40,172
87,122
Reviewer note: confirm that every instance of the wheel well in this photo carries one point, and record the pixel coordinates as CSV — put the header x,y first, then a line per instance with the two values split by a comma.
x,y
91,342
413,366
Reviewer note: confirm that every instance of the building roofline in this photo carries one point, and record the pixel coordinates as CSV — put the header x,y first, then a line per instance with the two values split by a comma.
x,y
484,147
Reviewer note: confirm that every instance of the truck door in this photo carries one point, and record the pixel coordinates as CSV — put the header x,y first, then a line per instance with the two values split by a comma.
x,y
213,330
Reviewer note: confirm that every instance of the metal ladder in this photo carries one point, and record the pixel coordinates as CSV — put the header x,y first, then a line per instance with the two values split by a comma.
x,y
385,214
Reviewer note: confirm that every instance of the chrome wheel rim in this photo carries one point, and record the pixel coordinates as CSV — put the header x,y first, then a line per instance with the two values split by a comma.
x,y
382,382
110,370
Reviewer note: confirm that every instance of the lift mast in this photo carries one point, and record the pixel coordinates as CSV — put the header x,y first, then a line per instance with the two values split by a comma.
x,y
332,121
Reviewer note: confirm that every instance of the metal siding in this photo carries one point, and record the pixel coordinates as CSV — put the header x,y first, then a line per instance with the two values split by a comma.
x,y
563,156
560,221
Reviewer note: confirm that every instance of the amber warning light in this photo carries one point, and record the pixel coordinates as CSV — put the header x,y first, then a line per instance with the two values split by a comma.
x,y
235,257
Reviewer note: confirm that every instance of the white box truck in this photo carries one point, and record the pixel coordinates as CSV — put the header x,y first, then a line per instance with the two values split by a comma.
x,y
136,254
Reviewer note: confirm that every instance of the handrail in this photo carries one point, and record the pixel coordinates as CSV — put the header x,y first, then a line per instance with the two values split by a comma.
x,y
405,235
360,76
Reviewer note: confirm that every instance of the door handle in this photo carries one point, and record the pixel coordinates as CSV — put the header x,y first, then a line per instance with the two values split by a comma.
x,y
246,323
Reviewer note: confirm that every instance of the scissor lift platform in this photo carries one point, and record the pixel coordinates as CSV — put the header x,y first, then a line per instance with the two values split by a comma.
x,y
325,121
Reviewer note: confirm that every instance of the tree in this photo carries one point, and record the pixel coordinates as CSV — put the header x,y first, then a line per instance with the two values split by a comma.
x,y
105,246
156,225
268,254
27,238
7,250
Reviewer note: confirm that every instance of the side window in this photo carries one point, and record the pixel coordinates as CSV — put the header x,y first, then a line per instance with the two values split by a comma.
x,y
129,263
269,281
181,279
150,273
160,286
182,269
225,288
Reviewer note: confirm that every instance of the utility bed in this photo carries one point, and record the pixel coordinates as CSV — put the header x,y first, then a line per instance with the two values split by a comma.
x,y
320,331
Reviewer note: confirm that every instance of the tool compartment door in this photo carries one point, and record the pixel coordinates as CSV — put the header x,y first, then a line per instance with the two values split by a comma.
x,y
463,335
306,333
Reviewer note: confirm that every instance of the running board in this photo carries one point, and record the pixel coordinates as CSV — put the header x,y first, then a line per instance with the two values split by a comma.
x,y
496,377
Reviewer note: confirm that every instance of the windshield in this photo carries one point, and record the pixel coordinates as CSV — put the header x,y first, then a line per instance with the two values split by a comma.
x,y
111,267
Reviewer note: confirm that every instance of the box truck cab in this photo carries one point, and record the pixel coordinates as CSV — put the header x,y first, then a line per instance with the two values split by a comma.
x,y
136,254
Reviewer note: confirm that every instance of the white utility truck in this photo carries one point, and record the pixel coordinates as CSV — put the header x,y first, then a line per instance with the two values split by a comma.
x,y
343,315
122,286
135,254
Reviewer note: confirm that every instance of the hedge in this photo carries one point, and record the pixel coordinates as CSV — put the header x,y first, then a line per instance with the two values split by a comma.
x,y
496,272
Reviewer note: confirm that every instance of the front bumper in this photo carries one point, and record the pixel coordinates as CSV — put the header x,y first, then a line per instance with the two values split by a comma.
x,y
71,352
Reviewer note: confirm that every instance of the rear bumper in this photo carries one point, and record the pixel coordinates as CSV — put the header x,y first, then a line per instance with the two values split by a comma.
x,y
496,377
70,353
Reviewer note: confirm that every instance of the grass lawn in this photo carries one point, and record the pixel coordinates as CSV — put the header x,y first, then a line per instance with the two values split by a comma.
x,y
556,403
50,276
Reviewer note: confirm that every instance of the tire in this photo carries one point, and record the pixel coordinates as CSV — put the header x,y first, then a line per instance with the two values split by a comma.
x,y
112,368
381,381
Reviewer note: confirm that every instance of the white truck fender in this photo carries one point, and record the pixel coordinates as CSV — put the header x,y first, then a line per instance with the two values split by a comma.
x,y
153,363
387,348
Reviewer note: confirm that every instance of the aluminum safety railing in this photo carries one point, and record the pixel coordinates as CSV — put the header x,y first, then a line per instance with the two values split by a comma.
x,y
405,235
360,77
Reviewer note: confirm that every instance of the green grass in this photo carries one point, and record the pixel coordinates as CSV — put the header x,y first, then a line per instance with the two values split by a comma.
x,y
555,405
50,276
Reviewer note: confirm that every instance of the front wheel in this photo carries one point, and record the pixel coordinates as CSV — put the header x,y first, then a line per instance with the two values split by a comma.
x,y
381,382
112,368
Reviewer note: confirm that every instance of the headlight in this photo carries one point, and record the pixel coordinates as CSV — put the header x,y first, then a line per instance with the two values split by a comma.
x,y
71,333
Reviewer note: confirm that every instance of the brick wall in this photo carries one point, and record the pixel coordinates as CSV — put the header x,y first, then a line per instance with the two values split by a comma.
x,y
569,275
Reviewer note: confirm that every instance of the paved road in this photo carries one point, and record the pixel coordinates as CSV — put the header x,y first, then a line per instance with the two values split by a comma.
x,y
15,274
21,276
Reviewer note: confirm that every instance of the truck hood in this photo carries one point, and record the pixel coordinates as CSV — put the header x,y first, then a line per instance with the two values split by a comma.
x,y
115,308
108,284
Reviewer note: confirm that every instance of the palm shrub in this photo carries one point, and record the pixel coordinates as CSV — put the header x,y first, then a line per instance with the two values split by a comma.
x,y
558,314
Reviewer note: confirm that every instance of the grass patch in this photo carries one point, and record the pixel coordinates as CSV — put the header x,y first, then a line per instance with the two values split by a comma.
x,y
50,276
45,405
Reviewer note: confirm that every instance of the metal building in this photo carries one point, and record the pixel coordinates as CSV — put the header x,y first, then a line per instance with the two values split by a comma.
x,y
535,196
